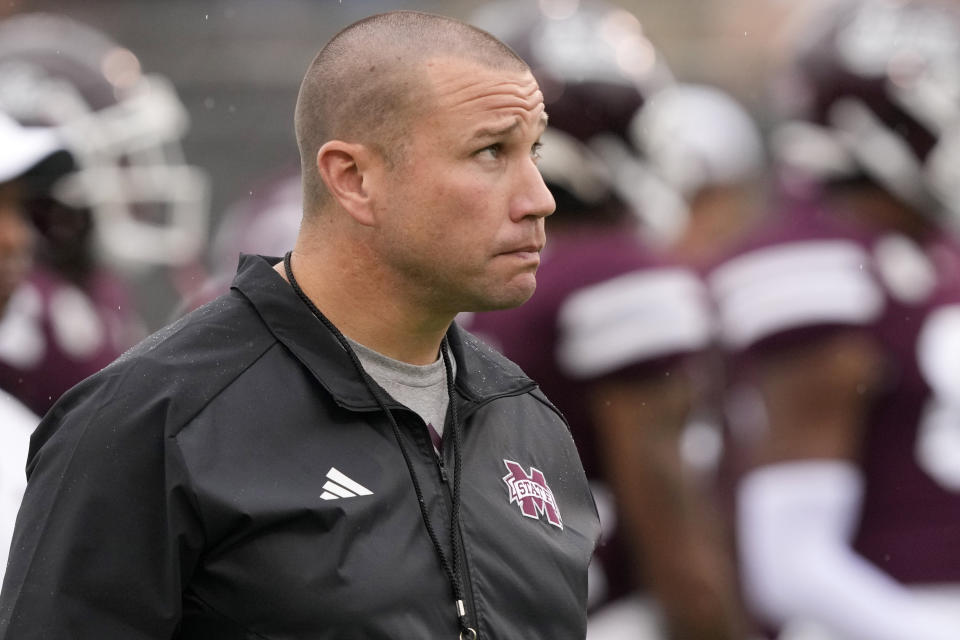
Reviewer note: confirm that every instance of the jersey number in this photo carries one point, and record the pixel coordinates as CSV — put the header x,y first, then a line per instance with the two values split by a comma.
x,y
938,441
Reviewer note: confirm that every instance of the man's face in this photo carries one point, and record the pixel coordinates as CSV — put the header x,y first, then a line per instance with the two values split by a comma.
x,y
16,241
463,209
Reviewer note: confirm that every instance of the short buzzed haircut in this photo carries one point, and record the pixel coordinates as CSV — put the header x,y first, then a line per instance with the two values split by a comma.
x,y
367,83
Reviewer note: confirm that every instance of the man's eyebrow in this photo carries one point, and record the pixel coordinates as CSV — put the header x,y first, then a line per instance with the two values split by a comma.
x,y
488,132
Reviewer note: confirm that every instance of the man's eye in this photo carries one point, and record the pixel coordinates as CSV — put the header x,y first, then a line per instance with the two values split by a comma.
x,y
493,150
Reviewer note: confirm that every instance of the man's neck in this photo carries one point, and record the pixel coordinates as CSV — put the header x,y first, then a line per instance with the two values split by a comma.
x,y
367,307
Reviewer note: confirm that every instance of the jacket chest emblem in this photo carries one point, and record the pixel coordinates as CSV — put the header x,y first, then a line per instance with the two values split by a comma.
x,y
339,486
531,493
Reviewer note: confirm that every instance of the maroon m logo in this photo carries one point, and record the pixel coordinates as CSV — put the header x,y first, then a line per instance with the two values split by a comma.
x,y
531,493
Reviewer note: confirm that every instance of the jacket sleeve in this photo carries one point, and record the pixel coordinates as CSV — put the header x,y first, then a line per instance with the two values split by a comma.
x,y
108,533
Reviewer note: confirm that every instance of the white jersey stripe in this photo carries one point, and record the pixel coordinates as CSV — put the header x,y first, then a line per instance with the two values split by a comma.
x,y
796,257
630,319
779,288
938,352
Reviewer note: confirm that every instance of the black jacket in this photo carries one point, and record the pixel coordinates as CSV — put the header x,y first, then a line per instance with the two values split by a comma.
x,y
183,492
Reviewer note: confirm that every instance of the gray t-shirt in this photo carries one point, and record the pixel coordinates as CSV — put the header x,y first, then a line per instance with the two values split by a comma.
x,y
422,388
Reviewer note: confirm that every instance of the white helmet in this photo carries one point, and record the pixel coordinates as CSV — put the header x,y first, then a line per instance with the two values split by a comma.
x,y
696,136
123,128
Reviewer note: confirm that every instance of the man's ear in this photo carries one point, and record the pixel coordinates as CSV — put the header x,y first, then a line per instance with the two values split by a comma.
x,y
344,167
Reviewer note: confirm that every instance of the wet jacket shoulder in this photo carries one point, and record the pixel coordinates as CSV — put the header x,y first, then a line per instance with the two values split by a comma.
x,y
232,477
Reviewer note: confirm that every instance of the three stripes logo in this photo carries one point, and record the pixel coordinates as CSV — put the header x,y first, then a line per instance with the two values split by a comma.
x,y
340,486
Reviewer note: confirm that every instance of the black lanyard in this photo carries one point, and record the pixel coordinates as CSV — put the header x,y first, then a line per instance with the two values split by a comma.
x,y
451,569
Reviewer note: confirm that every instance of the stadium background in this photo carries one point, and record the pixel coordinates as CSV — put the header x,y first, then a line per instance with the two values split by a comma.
x,y
237,64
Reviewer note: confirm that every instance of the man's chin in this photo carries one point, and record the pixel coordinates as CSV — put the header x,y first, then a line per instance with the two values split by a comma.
x,y
506,299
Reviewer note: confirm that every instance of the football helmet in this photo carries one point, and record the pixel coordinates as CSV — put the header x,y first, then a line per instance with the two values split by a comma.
x,y
872,90
596,68
696,136
123,128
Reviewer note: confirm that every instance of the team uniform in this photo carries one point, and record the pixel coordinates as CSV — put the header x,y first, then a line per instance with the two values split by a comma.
x,y
802,277
851,522
130,203
54,334
30,158
270,497
604,307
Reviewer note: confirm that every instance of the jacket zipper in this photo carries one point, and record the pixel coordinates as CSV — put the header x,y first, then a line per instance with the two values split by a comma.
x,y
465,411
447,493
468,583
466,580
442,468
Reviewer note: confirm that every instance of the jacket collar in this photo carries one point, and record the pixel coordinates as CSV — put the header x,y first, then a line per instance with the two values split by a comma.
x,y
482,373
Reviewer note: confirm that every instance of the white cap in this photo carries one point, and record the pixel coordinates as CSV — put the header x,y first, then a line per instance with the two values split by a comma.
x,y
697,136
21,148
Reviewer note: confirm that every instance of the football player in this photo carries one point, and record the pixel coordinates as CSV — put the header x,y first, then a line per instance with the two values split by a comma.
x,y
706,145
29,158
130,210
612,330
843,314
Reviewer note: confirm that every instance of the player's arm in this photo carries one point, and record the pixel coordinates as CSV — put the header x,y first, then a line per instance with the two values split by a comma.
x,y
798,510
107,534
672,526
614,337
817,395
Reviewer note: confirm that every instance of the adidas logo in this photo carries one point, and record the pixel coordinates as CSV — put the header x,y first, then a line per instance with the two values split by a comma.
x,y
340,486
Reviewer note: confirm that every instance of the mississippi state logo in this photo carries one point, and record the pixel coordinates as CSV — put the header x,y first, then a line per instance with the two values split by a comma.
x,y
531,493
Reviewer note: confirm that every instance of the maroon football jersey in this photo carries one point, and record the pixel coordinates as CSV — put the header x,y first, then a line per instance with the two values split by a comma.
x,y
604,306
54,334
806,272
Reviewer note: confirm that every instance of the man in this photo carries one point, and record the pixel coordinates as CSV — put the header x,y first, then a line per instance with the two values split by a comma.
x,y
321,453
613,332
842,314
30,158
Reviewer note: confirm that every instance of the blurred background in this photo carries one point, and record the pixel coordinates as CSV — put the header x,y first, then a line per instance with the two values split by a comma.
x,y
237,65
798,242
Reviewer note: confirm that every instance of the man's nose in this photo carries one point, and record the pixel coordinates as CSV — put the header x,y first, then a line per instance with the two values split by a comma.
x,y
534,199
